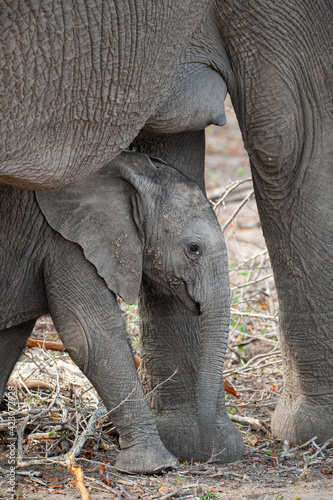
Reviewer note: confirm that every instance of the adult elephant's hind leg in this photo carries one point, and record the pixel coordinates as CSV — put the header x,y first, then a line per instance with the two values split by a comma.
x,y
12,343
298,231
283,101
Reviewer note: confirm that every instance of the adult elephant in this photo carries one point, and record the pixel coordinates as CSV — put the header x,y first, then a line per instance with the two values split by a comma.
x,y
82,79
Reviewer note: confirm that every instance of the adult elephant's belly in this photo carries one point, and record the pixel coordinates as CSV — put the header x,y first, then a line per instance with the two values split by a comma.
x,y
79,80
56,154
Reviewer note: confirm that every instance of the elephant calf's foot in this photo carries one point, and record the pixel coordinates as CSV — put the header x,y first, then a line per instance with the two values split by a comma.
x,y
228,443
146,458
231,441
182,437
299,420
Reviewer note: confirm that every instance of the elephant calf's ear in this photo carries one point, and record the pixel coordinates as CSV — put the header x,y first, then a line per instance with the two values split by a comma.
x,y
97,213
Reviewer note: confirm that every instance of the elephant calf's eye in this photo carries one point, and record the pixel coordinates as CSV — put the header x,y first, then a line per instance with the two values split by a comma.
x,y
194,250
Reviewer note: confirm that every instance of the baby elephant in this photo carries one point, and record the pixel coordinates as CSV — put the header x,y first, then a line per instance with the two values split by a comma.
x,y
70,252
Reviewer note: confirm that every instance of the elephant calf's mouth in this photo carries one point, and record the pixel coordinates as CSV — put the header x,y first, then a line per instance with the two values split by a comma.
x,y
180,289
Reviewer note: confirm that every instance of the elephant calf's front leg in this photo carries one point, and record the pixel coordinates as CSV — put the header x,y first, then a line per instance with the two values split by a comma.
x,y
89,322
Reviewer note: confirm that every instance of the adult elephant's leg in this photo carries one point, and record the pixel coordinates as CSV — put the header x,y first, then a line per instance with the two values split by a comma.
x,y
12,343
299,238
101,82
184,151
284,87
170,336
87,317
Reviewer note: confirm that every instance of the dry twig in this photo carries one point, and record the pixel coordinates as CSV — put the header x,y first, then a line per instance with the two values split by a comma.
x,y
78,472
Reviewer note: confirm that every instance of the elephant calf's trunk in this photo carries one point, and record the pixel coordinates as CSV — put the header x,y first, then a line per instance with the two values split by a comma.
x,y
213,347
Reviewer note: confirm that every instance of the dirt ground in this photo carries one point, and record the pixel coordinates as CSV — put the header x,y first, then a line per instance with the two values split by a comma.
x,y
51,417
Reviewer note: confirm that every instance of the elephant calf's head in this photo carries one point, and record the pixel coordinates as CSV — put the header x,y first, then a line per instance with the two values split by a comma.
x,y
184,248
139,215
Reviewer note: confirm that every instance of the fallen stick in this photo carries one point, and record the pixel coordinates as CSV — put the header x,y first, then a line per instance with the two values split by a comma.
x,y
45,344
33,384
78,473
42,435
88,431
321,448
255,422
289,451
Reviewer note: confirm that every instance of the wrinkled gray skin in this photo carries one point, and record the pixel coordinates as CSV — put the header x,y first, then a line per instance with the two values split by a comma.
x,y
69,252
92,83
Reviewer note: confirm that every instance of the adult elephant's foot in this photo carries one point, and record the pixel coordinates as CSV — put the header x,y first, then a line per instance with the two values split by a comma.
x,y
300,419
147,457
305,409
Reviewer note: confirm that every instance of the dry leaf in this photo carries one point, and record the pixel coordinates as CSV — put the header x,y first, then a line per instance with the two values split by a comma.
x,y
228,388
163,489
